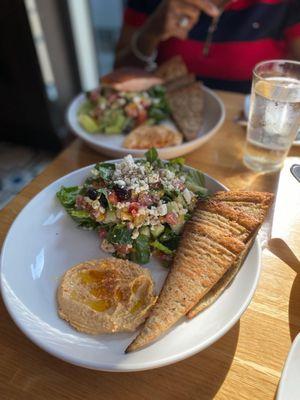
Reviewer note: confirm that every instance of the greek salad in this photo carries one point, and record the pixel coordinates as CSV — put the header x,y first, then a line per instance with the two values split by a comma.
x,y
109,111
137,206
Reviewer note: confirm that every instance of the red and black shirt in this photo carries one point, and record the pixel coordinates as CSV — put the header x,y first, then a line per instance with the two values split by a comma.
x,y
249,31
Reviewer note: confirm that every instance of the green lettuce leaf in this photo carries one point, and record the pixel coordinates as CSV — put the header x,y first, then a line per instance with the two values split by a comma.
x,y
82,217
169,238
67,196
151,155
119,234
195,182
141,250
105,170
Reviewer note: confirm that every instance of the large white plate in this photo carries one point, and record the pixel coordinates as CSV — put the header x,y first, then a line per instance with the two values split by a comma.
x,y
43,242
111,145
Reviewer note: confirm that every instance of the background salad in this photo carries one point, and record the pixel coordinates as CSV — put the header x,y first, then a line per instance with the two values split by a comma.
x,y
109,111
137,206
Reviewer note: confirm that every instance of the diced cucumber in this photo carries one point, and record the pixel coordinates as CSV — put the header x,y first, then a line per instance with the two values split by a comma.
x,y
180,199
159,246
172,206
156,230
110,216
85,108
113,121
88,123
79,214
145,231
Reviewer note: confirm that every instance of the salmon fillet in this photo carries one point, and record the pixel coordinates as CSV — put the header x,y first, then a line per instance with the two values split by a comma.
x,y
214,241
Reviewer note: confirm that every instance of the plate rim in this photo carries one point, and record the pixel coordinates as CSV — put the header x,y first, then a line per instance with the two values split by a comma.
x,y
119,367
282,388
87,137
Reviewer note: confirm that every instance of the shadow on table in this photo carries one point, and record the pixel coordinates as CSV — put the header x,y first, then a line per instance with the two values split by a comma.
x,y
32,370
294,308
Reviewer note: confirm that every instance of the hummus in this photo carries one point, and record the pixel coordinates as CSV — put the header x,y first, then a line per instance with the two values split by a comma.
x,y
104,296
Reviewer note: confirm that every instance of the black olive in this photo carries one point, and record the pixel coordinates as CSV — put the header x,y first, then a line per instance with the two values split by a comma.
x,y
103,201
122,193
92,193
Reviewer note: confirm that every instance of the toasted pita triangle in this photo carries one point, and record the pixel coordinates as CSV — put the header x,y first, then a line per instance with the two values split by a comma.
x,y
218,234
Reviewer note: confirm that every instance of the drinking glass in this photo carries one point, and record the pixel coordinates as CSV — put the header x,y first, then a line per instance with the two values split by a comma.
x,y
274,116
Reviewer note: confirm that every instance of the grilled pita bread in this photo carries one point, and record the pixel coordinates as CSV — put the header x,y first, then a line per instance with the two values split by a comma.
x,y
214,243
180,82
254,203
145,137
186,105
221,285
172,69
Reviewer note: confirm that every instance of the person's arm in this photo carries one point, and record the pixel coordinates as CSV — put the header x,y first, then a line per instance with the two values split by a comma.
x,y
163,23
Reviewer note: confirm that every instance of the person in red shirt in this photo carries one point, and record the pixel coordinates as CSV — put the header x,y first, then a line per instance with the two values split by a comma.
x,y
219,40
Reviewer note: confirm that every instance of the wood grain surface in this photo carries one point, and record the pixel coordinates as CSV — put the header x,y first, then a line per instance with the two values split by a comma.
x,y
245,364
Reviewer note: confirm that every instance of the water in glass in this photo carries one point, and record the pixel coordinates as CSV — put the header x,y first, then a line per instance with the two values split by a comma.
x,y
274,120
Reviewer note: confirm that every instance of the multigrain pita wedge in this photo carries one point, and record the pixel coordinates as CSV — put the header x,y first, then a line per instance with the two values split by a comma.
x,y
186,105
180,82
221,285
145,137
172,69
214,242
254,203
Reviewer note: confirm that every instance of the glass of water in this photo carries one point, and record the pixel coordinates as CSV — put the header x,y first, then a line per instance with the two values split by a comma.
x,y
274,116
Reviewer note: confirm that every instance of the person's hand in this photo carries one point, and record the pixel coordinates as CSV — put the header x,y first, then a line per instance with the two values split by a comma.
x,y
175,18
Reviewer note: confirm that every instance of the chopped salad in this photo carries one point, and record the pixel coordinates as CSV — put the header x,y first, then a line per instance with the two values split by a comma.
x,y
138,206
109,111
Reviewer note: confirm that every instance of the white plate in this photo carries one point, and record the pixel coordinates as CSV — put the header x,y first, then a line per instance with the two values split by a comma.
x,y
246,112
111,145
289,387
43,242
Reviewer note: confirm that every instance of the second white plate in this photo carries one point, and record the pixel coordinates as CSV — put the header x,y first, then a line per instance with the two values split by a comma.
x,y
111,145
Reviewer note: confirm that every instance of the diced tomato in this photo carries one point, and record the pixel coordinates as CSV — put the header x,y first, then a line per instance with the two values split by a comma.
x,y
112,97
179,185
122,248
79,201
133,208
145,199
132,110
102,233
142,116
171,218
113,198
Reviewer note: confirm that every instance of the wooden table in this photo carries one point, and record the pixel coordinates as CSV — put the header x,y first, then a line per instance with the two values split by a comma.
x,y
245,364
